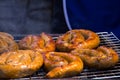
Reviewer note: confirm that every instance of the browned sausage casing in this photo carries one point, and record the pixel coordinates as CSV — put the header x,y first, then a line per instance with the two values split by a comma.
x,y
101,58
7,42
21,63
79,38
61,65
44,42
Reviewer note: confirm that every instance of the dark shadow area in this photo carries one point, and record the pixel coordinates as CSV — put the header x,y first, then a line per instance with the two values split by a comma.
x,y
22,17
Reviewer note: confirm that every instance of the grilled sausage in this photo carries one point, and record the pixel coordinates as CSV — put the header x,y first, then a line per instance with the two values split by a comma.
x,y
79,38
61,65
7,42
101,58
21,63
44,42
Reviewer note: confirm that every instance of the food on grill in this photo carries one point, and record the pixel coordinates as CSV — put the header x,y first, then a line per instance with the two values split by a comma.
x,y
60,65
7,42
101,58
80,43
21,63
42,42
79,38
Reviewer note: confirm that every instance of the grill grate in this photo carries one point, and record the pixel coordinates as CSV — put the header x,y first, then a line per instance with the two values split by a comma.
x,y
108,39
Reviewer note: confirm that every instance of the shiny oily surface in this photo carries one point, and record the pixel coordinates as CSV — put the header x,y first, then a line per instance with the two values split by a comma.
x,y
78,38
42,42
101,58
60,65
21,63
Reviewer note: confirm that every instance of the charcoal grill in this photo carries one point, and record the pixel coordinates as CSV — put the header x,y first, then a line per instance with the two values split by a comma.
x,y
108,39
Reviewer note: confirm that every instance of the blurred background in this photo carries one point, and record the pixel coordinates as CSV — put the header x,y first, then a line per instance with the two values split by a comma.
x,y
21,17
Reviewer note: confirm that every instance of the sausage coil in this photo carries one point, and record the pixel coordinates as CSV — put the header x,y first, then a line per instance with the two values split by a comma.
x,y
21,63
43,42
61,65
7,42
101,58
79,38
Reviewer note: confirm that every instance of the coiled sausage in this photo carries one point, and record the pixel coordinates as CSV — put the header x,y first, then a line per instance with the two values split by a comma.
x,y
61,65
44,42
101,58
79,38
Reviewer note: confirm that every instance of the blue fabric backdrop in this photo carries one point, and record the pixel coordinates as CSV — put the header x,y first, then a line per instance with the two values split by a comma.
x,y
96,15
